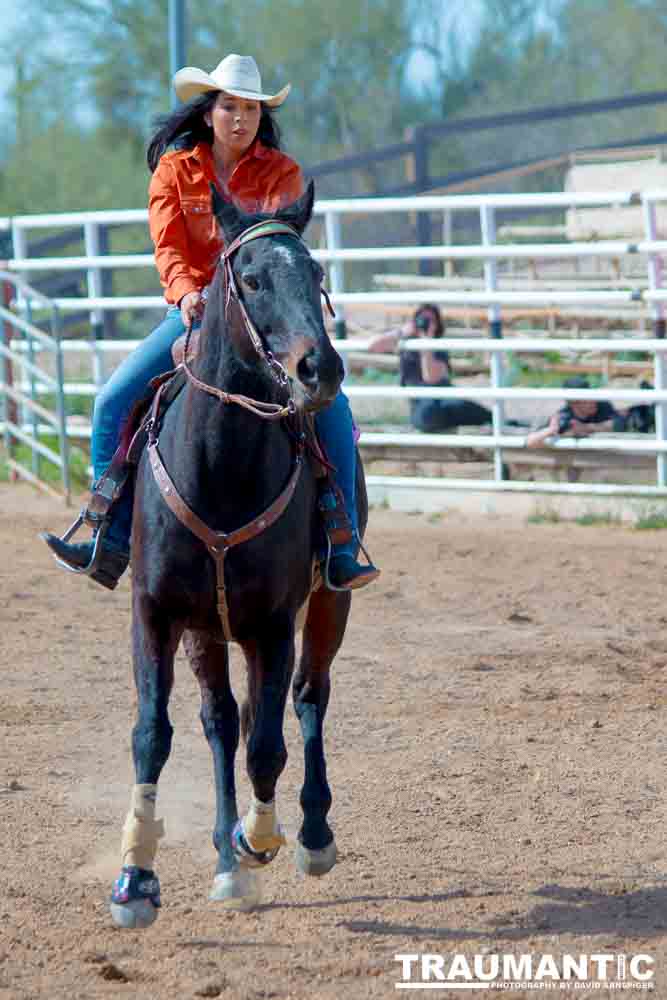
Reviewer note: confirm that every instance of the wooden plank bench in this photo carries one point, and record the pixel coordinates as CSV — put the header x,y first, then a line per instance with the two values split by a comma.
x,y
573,464
557,464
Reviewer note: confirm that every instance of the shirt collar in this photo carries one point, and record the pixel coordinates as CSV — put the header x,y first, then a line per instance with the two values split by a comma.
x,y
259,150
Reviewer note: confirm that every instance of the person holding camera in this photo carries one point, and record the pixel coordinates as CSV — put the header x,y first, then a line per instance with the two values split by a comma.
x,y
429,368
581,417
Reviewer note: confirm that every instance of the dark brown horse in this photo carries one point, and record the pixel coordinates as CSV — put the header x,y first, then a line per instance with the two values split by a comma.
x,y
231,467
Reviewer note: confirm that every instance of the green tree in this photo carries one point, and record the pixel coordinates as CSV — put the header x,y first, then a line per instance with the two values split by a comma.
x,y
88,84
346,61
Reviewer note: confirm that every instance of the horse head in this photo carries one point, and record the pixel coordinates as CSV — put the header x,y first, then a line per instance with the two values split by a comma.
x,y
278,285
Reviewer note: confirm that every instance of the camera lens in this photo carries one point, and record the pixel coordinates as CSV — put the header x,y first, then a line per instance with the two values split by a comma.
x,y
564,421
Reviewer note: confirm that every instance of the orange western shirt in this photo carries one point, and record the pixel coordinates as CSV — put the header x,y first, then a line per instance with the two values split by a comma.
x,y
183,228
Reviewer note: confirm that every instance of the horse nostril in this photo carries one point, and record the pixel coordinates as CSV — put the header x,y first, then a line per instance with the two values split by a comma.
x,y
307,368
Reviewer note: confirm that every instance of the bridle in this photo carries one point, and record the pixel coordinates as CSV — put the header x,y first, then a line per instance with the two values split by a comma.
x,y
218,543
267,411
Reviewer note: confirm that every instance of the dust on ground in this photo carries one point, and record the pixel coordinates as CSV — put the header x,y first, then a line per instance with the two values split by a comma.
x,y
496,748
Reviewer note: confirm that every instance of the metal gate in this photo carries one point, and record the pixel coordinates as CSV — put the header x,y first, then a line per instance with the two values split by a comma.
x,y
32,376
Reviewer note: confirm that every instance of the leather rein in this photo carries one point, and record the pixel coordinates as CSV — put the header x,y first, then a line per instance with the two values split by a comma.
x,y
219,542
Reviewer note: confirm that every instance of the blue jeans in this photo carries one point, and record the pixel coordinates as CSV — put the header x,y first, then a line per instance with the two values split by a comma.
x,y
336,431
434,415
129,383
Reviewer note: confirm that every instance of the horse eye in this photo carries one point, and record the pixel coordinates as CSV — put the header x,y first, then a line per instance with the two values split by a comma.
x,y
250,281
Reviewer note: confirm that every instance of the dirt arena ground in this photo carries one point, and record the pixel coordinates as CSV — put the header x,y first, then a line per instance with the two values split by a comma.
x,y
496,752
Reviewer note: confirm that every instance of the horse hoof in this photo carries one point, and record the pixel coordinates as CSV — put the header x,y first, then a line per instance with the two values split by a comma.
x,y
237,890
315,862
135,898
132,916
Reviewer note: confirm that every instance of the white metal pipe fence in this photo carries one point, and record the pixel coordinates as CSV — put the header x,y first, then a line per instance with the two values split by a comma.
x,y
22,418
643,294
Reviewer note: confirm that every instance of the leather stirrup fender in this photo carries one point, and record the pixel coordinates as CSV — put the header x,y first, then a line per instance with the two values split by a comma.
x,y
334,516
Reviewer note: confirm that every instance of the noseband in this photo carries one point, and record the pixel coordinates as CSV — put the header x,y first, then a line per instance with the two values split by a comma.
x,y
267,411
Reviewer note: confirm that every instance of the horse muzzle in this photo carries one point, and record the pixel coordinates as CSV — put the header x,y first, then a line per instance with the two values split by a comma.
x,y
316,370
299,348
319,377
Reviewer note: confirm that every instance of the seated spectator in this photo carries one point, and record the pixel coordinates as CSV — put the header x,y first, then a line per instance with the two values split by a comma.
x,y
582,417
429,368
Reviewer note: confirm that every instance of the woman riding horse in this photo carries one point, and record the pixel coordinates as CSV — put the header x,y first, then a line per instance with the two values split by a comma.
x,y
226,136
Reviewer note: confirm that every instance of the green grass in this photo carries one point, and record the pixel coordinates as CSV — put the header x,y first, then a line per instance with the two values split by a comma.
x,y
592,517
652,519
633,356
75,406
544,514
522,375
78,464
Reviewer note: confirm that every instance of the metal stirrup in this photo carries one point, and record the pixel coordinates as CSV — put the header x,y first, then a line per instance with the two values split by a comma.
x,y
93,563
327,559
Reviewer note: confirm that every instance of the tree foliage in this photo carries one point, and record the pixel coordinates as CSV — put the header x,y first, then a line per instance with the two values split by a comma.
x,y
86,86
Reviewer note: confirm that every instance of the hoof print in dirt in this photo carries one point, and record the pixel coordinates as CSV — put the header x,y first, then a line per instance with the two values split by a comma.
x,y
112,973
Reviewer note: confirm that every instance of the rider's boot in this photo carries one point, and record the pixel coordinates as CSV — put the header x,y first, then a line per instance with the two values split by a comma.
x,y
345,573
99,558
105,557
341,570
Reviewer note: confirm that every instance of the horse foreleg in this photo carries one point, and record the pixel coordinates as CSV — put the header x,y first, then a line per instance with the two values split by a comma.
x,y
322,636
258,836
136,893
234,887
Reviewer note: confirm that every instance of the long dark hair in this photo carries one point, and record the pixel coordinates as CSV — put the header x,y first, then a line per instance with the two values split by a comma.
x,y
428,307
186,127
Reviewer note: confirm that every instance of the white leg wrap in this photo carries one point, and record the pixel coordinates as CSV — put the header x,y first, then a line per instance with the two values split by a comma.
x,y
141,831
261,827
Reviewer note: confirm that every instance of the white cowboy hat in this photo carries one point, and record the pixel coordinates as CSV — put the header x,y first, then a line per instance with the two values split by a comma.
x,y
237,75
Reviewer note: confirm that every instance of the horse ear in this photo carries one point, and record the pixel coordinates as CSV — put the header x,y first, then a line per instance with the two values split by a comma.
x,y
299,212
232,220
